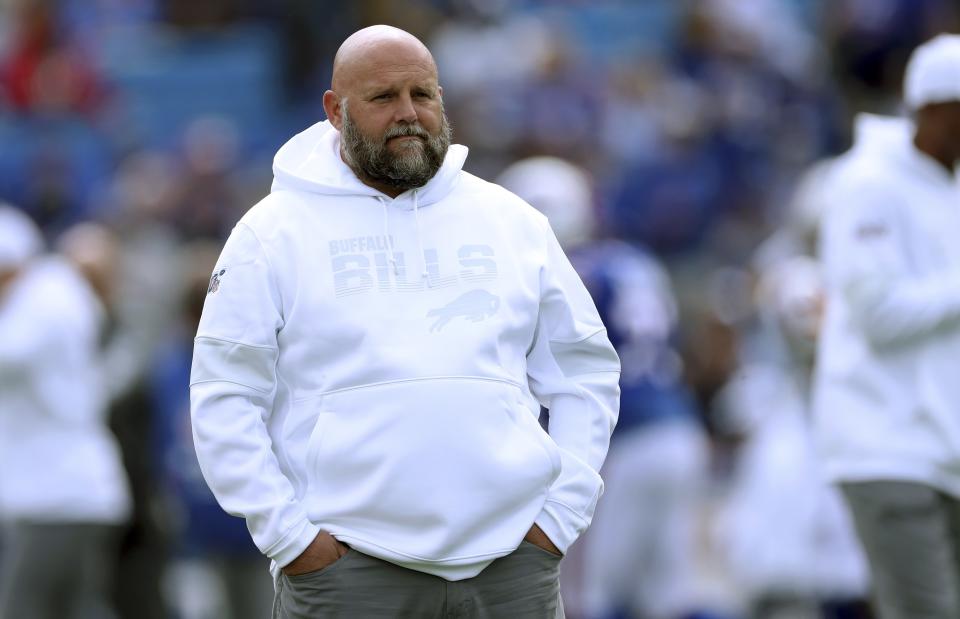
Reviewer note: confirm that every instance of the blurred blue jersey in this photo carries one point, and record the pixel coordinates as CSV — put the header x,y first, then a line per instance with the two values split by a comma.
x,y
635,300
199,524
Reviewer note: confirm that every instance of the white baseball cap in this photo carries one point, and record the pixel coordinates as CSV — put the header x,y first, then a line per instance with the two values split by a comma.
x,y
20,238
933,72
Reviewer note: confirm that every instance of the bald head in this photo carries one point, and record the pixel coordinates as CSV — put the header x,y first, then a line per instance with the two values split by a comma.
x,y
395,134
374,49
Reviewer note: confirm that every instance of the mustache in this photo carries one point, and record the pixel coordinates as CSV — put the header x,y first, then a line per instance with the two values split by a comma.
x,y
406,130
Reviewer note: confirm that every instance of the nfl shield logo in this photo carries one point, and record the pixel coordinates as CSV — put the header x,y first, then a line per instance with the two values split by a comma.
x,y
215,281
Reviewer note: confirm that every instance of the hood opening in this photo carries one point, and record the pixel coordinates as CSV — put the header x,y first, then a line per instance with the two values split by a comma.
x,y
310,161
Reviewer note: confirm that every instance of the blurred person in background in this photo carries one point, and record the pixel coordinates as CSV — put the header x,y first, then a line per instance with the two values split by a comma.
x,y
774,543
638,559
63,491
44,70
125,345
783,532
137,224
378,337
827,566
207,198
215,571
886,405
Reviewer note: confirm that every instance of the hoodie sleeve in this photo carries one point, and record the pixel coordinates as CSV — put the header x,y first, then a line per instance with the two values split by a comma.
x,y
867,255
25,342
573,371
232,386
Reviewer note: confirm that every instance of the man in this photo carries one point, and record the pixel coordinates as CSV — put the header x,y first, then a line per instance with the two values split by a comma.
x,y
886,377
63,490
377,339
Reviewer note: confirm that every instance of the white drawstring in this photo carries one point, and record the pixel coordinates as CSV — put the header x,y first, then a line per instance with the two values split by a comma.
x,y
423,254
386,233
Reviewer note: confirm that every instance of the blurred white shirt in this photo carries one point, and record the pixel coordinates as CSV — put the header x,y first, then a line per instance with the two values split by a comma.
x,y
886,405
58,460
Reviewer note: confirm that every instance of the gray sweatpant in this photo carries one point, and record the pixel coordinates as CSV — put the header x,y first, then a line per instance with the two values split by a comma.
x,y
521,585
911,534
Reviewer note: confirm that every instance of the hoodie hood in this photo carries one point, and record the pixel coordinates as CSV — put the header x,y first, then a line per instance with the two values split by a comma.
x,y
310,161
890,139
872,132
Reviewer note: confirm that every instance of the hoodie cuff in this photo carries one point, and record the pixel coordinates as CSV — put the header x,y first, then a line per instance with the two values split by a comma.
x,y
561,524
291,545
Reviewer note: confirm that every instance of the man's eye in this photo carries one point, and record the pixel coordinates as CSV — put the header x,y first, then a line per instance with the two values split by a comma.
x,y
382,97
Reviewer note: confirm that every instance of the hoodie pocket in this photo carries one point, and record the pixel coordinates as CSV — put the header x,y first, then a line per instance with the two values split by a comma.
x,y
315,442
434,469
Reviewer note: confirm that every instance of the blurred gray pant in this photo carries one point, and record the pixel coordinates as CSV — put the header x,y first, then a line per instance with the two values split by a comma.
x,y
57,571
521,585
911,534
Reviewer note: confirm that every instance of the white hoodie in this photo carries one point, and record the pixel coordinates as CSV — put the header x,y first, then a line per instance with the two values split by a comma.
x,y
58,460
886,382
374,367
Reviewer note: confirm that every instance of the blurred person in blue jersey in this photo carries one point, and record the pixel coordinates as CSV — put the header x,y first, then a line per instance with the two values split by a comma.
x,y
63,490
886,400
638,559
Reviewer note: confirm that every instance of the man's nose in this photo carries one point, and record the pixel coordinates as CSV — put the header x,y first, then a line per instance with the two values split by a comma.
x,y
405,110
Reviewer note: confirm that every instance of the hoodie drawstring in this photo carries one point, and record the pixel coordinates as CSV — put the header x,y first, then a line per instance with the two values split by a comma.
x,y
416,217
386,233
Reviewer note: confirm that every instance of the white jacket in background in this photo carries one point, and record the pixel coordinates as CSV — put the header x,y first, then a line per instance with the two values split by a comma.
x,y
374,367
887,385
58,460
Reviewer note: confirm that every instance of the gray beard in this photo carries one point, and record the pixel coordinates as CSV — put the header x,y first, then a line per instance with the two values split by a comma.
x,y
416,164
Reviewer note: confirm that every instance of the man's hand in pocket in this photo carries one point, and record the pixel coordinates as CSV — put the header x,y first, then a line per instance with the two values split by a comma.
x,y
537,537
323,551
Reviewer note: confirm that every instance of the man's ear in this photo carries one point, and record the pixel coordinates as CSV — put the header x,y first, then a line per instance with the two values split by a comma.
x,y
332,106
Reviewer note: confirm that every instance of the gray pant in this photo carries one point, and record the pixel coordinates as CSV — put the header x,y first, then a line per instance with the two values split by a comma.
x,y
911,534
521,585
57,571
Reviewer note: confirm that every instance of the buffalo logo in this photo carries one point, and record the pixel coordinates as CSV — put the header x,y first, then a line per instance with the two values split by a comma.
x,y
215,281
475,306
